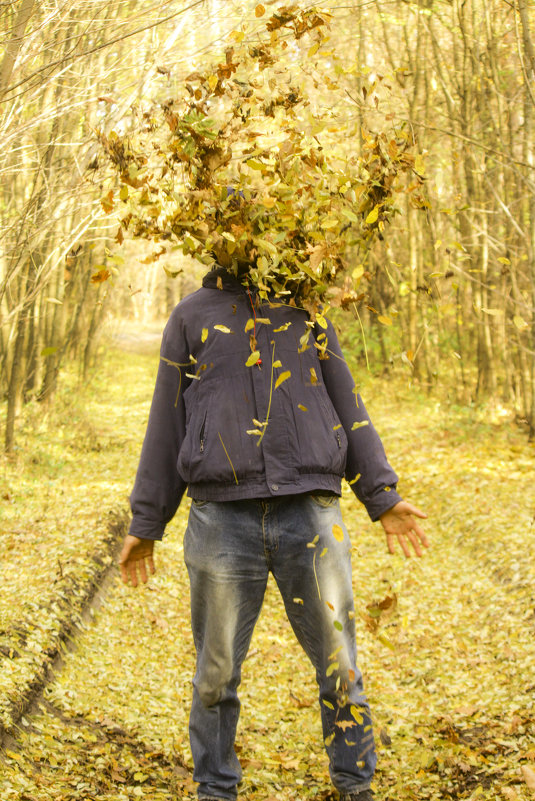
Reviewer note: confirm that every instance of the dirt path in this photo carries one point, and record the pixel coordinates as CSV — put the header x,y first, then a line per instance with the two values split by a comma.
x,y
449,673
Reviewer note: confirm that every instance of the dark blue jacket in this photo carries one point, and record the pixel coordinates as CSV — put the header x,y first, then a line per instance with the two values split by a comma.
x,y
227,431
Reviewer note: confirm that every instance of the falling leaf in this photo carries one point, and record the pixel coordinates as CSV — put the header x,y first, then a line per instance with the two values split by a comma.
x,y
100,277
249,325
356,712
338,533
372,216
345,724
259,10
223,328
313,376
283,377
303,408
338,626
520,323
106,201
384,320
253,358
204,335
281,328
327,703
360,424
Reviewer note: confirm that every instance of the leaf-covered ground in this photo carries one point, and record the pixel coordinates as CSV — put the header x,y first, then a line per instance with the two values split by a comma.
x,y
449,671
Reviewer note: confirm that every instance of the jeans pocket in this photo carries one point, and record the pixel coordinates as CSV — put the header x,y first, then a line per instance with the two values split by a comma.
x,y
199,504
325,500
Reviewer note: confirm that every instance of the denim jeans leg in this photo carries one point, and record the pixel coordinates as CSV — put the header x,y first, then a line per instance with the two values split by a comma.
x,y
228,576
312,568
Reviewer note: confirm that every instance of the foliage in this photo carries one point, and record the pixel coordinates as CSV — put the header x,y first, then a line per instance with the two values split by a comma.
x,y
241,169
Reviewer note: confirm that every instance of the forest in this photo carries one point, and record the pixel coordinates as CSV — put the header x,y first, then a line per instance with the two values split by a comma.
x,y
385,151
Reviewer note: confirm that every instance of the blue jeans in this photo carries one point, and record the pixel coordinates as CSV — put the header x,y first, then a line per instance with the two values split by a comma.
x,y
230,548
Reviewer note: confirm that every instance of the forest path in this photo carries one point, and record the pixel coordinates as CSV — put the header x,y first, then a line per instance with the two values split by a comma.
x,y
449,673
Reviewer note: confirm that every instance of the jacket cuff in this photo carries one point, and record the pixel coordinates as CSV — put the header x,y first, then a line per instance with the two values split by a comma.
x,y
383,500
146,529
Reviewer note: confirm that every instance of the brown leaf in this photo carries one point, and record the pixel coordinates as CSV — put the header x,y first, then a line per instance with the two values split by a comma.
x,y
529,777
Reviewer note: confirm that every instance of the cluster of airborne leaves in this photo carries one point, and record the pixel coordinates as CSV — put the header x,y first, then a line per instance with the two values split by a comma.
x,y
243,171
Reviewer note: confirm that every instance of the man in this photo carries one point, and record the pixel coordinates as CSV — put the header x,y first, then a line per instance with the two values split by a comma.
x,y
256,414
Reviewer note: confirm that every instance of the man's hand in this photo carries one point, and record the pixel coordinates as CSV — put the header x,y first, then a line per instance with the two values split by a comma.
x,y
399,522
136,554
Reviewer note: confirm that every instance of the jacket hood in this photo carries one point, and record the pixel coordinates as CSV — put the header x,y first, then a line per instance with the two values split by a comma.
x,y
220,278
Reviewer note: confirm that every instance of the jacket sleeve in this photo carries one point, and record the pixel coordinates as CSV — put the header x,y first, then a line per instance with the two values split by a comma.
x,y
367,469
158,488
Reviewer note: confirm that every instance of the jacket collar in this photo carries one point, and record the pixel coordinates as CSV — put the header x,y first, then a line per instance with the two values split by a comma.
x,y
220,278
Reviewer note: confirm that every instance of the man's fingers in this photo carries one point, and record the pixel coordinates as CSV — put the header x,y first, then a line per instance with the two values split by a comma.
x,y
143,571
421,534
415,511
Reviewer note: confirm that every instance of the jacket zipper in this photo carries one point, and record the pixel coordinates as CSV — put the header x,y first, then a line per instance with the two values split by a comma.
x,y
201,435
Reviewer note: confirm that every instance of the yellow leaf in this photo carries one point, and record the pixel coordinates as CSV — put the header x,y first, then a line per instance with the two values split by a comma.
x,y
223,328
253,358
520,322
303,408
264,320
504,260
529,776
249,324
389,644
282,377
372,216
259,10
338,533
282,328
384,320
359,425
212,82
356,713
204,335
321,321
277,363
419,164
13,755
313,50
354,480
